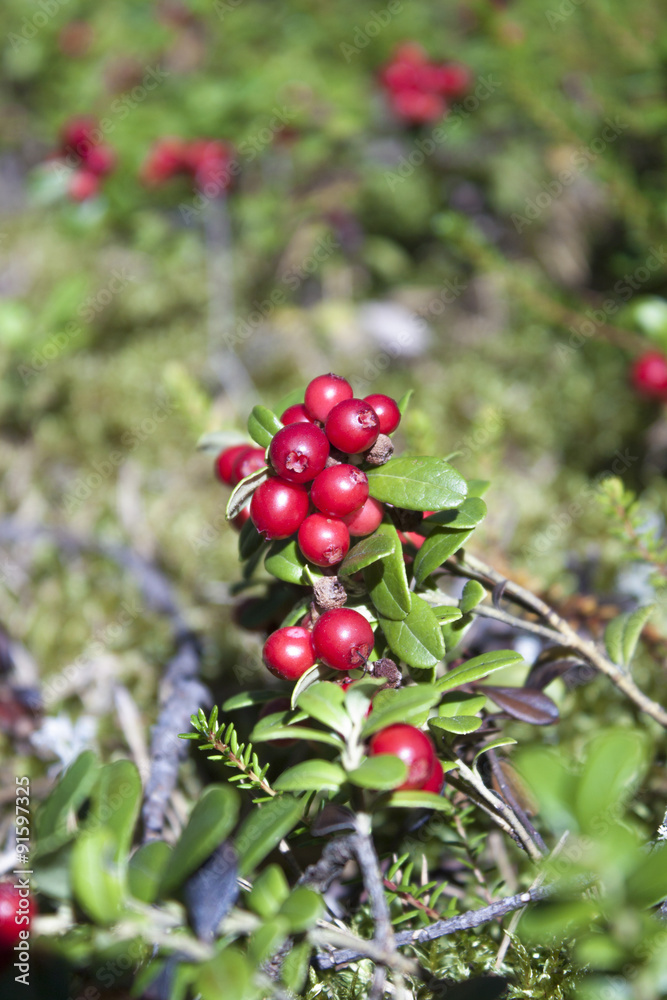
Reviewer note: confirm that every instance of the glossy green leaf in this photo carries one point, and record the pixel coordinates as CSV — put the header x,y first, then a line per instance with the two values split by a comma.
x,y
324,701
146,869
96,878
382,772
242,493
317,775
250,541
116,800
622,634
285,561
262,425
302,909
461,704
455,724
269,729
365,552
247,698
216,441
420,483
386,580
70,791
264,828
439,546
211,820
468,515
404,401
269,891
615,760
231,968
318,672
408,704
267,939
478,667
420,800
446,613
417,639
473,594
294,970
501,741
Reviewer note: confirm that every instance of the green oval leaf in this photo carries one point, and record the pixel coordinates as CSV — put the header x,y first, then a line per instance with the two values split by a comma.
x,y
439,546
473,594
501,741
264,828
456,723
262,425
70,791
420,800
479,666
386,579
615,760
146,869
267,730
622,634
116,800
468,515
96,881
269,891
365,552
302,909
311,775
242,493
420,483
408,704
211,820
324,701
381,773
416,639
285,561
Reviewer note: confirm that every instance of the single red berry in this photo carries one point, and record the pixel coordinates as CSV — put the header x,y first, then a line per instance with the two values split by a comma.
x,y
366,519
224,463
13,906
211,164
299,452
297,414
289,652
649,375
248,461
436,778
75,135
387,411
323,540
167,158
83,185
352,426
339,490
100,160
277,507
412,746
451,79
324,392
343,639
416,107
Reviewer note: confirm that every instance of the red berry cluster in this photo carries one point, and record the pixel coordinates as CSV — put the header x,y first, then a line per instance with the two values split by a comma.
x,y
649,375
207,161
419,89
417,752
93,159
341,639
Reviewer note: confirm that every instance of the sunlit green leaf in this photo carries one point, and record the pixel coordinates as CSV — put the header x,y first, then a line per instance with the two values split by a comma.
x,y
262,425
419,483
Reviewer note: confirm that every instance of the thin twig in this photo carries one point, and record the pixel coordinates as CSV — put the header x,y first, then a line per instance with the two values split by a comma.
x,y
473,568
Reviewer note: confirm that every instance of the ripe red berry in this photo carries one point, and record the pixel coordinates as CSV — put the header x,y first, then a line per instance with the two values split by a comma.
x,y
416,107
387,411
451,79
224,463
366,519
83,185
649,375
339,490
12,904
277,507
246,462
100,160
343,639
167,158
289,652
210,163
299,452
324,392
297,414
75,135
412,746
324,541
436,778
352,426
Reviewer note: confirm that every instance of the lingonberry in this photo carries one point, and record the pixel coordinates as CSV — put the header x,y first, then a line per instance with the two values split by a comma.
x,y
75,135
366,519
412,746
436,778
277,507
387,410
323,540
289,652
167,158
12,906
83,184
299,452
246,462
297,414
324,392
211,164
100,160
417,107
224,463
649,375
343,639
352,426
339,490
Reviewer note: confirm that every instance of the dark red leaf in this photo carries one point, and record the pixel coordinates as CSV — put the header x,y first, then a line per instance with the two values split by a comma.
x,y
524,704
